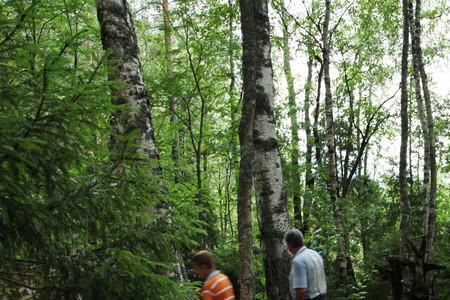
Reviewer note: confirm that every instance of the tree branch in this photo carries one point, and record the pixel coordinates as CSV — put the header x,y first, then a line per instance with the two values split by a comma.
x,y
22,18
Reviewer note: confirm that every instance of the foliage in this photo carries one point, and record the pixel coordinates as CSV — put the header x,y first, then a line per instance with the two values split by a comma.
x,y
76,221
72,221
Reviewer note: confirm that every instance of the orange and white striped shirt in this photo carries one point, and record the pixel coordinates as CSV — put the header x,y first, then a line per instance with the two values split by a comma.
x,y
217,287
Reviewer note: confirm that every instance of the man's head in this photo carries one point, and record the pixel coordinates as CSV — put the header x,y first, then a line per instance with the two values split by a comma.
x,y
294,240
203,263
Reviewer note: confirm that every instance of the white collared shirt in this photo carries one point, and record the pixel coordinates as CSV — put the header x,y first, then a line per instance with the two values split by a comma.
x,y
307,272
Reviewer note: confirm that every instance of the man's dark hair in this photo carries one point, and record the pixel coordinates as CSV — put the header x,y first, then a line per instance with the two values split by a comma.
x,y
203,258
294,237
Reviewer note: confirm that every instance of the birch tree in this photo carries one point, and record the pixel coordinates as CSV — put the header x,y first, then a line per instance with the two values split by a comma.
x,y
270,192
126,79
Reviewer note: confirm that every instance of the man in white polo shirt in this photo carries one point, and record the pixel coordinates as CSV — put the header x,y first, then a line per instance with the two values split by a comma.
x,y
307,277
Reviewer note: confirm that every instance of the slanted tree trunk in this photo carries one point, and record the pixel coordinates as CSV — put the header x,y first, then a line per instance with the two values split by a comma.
x,y
404,199
431,211
342,258
131,125
309,177
271,196
295,173
247,151
125,79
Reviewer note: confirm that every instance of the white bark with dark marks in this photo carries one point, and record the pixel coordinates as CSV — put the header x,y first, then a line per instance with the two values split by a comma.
x,y
271,196
125,77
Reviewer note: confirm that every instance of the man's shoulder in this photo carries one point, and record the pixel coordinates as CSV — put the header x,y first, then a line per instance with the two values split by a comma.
x,y
220,285
306,255
216,280
312,251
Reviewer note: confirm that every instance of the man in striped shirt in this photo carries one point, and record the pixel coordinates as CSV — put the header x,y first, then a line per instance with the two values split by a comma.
x,y
217,286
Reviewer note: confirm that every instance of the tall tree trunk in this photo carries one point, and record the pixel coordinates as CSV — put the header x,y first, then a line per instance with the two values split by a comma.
x,y
404,199
233,155
358,136
271,196
422,117
431,230
331,155
172,98
317,140
309,178
295,173
366,158
247,150
410,148
351,120
125,78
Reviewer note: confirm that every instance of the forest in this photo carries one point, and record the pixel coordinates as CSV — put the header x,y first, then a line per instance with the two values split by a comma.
x,y
135,133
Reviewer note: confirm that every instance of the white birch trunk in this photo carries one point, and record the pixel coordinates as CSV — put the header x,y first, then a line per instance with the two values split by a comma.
x,y
271,196
126,79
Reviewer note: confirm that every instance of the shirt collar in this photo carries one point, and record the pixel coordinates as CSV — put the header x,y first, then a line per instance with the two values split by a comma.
x,y
212,274
300,251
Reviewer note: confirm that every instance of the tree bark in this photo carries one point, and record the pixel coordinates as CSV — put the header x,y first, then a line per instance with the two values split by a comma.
x,y
317,140
126,79
295,174
271,195
422,117
172,98
351,120
309,177
331,155
431,227
233,155
358,136
247,151
404,199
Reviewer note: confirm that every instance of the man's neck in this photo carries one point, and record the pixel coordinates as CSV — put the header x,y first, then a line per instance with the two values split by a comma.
x,y
299,249
211,274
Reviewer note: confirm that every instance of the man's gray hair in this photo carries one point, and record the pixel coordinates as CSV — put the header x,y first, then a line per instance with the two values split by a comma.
x,y
294,237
